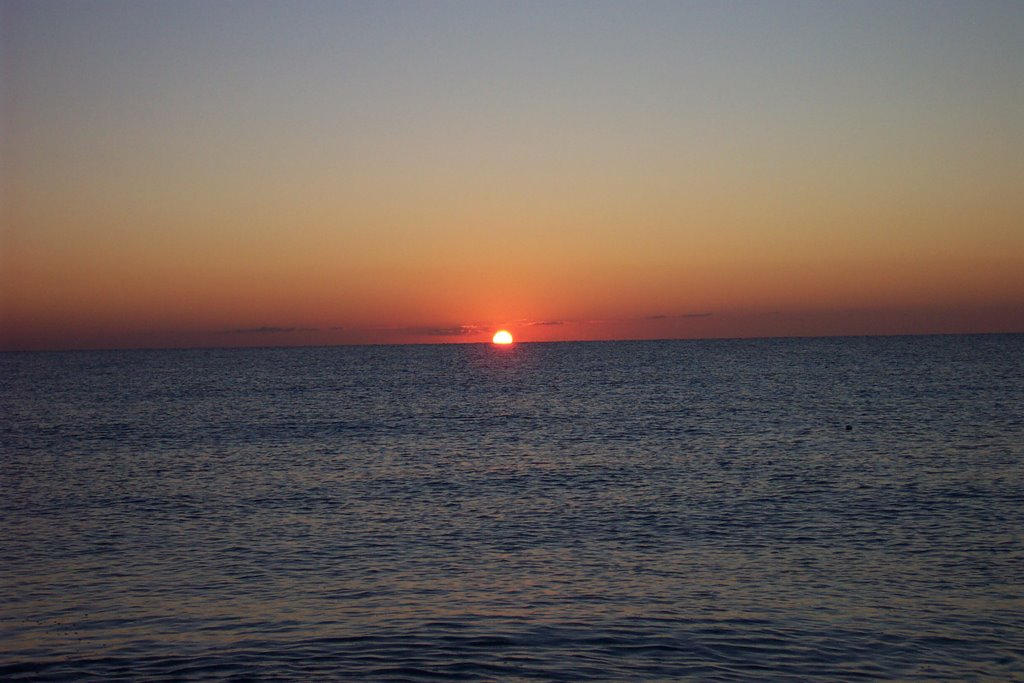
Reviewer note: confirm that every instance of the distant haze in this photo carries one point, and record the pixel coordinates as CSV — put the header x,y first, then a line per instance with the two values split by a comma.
x,y
261,173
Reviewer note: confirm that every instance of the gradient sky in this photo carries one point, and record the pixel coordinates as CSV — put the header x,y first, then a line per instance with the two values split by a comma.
x,y
252,173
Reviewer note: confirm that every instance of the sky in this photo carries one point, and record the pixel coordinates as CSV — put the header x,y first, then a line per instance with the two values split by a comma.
x,y
215,173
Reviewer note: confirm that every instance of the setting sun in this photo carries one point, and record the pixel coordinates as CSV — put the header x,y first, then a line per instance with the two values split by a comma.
x,y
502,337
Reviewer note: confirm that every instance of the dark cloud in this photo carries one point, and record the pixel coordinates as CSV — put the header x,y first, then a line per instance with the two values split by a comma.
x,y
440,331
268,329
546,322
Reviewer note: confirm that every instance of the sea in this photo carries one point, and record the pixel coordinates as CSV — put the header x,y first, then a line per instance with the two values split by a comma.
x,y
736,510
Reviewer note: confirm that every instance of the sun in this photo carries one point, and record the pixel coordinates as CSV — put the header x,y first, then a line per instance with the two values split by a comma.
x,y
502,337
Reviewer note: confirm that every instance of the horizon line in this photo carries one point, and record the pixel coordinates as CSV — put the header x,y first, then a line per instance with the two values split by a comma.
x,y
107,349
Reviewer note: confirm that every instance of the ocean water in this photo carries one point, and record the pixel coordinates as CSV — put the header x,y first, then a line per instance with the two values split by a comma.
x,y
792,509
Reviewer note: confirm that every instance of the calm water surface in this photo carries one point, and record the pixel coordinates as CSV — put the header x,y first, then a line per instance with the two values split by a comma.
x,y
733,510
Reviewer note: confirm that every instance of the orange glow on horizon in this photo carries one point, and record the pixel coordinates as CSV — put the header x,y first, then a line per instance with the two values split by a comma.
x,y
180,219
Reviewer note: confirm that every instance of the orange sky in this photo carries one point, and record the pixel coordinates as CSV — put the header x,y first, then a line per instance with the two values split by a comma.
x,y
188,174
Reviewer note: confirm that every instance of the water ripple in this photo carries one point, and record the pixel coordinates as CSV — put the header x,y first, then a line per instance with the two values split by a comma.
x,y
670,510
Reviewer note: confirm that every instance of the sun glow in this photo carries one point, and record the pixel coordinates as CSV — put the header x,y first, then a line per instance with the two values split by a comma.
x,y
502,337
